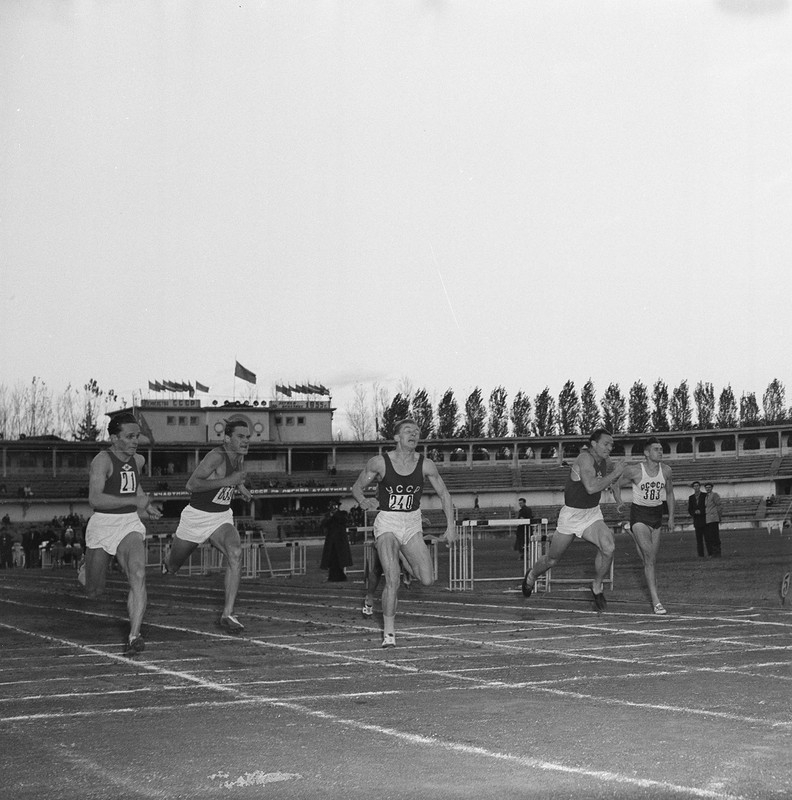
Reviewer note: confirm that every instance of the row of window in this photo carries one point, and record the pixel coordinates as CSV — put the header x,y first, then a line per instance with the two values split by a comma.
x,y
290,420
182,421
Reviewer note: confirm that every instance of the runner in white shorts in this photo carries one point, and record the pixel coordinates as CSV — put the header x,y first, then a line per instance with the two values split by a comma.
x,y
581,516
208,517
397,527
115,528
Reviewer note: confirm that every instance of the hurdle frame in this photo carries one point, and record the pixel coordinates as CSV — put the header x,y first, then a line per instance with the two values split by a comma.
x,y
461,575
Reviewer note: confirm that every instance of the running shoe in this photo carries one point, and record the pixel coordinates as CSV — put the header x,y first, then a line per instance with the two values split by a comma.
x,y
231,624
389,640
135,646
527,588
81,575
600,603
367,610
659,609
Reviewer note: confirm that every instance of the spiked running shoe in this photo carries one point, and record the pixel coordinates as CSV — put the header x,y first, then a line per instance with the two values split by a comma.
x,y
134,646
367,610
527,588
659,609
231,624
389,640
600,603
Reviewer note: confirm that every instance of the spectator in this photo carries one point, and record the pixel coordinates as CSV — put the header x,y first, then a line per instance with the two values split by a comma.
x,y
6,520
524,512
712,528
28,491
31,539
698,513
336,554
6,549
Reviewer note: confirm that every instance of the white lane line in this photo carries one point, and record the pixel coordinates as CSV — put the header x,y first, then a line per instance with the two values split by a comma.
x,y
447,674
604,776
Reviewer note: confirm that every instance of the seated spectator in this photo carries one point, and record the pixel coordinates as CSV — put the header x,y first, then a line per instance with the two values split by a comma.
x,y
28,491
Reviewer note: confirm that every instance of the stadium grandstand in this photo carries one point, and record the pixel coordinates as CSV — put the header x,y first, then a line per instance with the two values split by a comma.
x,y
295,468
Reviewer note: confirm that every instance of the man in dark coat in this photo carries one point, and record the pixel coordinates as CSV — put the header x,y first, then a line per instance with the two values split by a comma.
x,y
698,513
336,553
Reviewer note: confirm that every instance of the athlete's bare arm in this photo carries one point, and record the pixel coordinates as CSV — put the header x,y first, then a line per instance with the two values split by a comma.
x,y
144,503
213,463
374,470
438,484
588,477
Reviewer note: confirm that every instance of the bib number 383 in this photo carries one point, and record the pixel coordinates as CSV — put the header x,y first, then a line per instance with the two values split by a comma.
x,y
224,496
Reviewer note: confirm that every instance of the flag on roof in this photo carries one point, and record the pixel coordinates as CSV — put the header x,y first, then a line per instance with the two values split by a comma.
x,y
199,387
245,374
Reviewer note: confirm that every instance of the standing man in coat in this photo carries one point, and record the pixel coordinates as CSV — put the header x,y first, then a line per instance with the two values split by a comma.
x,y
698,513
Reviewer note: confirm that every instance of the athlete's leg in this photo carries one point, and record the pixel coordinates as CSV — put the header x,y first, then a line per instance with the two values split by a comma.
x,y
418,558
388,552
226,539
558,546
131,555
601,536
371,578
96,561
647,542
180,550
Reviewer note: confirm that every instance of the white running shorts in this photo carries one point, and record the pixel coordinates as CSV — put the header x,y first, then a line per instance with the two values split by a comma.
x,y
402,524
197,526
107,531
574,521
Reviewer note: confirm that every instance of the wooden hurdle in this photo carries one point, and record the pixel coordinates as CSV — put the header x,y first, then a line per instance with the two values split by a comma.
x,y
461,557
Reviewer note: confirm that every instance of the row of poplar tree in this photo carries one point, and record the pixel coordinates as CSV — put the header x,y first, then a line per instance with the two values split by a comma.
x,y
575,413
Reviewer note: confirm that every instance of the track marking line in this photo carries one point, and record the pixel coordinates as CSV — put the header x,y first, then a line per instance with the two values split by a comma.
x,y
604,776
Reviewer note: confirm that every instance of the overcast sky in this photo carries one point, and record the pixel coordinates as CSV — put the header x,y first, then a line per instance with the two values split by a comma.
x,y
458,193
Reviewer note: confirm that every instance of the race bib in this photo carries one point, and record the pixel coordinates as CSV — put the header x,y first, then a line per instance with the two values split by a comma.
x,y
128,481
224,496
400,502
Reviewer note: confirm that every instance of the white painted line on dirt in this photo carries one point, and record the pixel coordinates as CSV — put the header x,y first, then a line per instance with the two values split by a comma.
x,y
405,736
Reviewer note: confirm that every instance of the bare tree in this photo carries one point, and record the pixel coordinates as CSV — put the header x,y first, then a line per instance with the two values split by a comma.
x,y
358,415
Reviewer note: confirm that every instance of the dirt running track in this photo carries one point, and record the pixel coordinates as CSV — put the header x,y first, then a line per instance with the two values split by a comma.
x,y
486,696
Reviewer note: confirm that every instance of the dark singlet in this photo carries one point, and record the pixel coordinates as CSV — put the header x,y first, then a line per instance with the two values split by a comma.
x,y
575,494
215,499
123,482
401,492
